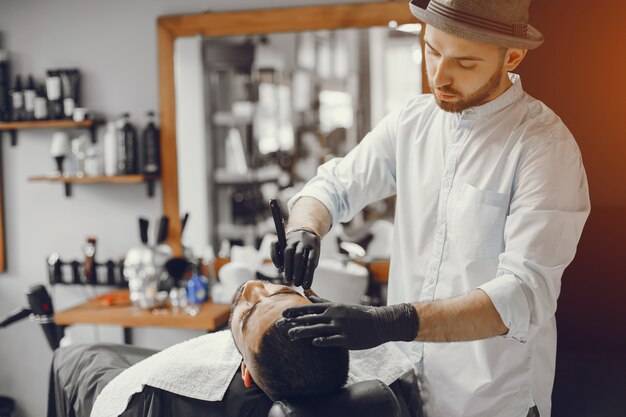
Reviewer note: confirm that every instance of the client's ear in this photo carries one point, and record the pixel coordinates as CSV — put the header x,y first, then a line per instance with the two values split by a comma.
x,y
245,375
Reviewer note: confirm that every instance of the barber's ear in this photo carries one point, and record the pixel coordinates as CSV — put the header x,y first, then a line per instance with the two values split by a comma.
x,y
514,57
246,376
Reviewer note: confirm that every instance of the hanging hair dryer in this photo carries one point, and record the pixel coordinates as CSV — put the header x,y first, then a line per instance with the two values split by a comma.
x,y
40,311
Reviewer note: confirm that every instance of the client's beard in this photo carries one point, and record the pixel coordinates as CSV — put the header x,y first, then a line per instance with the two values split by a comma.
x,y
477,98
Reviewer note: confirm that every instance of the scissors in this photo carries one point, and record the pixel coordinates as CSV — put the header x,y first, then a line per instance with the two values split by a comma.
x,y
279,223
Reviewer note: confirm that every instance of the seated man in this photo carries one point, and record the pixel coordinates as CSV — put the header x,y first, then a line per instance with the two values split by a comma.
x,y
270,358
200,374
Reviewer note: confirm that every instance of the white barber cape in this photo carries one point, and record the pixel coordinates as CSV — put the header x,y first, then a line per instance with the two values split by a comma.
x,y
493,198
202,368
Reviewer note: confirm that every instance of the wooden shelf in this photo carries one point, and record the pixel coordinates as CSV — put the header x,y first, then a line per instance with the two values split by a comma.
x,y
119,179
37,124
13,127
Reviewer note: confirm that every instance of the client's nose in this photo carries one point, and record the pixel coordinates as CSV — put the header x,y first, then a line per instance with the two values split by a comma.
x,y
253,291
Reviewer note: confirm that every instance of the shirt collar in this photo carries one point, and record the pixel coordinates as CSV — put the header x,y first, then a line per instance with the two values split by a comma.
x,y
510,96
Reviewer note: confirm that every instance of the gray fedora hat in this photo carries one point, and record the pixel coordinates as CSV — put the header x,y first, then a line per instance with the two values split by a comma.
x,y
497,22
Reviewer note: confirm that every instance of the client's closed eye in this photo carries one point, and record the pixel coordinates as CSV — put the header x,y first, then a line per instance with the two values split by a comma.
x,y
244,314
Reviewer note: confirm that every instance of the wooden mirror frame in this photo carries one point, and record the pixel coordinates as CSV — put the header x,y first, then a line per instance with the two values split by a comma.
x,y
249,22
3,265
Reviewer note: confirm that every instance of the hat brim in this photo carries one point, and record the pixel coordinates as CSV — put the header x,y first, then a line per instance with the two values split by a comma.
x,y
533,38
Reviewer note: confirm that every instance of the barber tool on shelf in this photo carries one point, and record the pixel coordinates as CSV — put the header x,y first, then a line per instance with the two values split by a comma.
x,y
144,266
140,270
61,272
176,269
87,271
89,266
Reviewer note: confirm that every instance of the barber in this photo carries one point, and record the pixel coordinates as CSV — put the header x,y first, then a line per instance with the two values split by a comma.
x,y
491,201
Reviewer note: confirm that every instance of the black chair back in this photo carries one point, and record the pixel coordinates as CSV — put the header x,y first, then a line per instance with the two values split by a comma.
x,y
364,399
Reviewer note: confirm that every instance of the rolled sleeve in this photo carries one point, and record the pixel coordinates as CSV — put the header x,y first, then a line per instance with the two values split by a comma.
x,y
548,209
324,191
510,301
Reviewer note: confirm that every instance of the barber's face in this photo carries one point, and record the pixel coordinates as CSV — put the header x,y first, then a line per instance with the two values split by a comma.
x,y
256,306
463,73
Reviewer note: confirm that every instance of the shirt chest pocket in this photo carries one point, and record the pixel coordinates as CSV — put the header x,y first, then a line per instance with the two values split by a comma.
x,y
477,222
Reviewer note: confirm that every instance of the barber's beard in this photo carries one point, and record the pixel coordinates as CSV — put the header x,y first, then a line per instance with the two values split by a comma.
x,y
476,98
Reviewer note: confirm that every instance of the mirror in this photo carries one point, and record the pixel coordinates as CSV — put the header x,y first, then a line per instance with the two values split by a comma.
x,y
252,102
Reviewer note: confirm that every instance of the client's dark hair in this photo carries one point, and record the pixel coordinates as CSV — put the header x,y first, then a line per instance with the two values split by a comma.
x,y
292,369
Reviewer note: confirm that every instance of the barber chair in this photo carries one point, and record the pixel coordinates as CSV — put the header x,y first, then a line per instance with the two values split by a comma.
x,y
364,399
82,371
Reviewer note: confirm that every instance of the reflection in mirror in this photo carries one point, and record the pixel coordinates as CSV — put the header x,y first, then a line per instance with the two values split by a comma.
x,y
256,116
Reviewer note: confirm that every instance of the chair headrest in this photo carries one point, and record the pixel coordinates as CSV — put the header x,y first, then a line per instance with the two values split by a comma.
x,y
364,399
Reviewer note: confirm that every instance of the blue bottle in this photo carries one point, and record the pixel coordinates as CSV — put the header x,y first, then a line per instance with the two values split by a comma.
x,y
197,289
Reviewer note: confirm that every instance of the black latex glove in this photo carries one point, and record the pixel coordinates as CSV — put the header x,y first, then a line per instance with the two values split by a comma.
x,y
351,326
299,258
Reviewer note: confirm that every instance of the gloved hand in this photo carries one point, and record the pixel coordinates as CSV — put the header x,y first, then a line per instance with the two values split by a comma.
x,y
352,326
299,257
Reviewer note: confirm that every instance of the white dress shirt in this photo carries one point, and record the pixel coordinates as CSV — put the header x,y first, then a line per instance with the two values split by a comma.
x,y
492,198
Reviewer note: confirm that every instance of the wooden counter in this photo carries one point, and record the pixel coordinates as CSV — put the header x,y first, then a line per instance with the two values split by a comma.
x,y
115,308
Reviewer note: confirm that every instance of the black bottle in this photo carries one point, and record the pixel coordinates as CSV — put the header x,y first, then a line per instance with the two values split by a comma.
x,y
128,147
17,100
151,147
29,99
5,98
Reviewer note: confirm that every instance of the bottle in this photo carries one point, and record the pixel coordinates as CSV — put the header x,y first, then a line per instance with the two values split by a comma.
x,y
41,104
55,100
17,100
197,289
110,150
29,99
131,146
79,154
5,98
89,266
70,83
151,147
120,146
93,168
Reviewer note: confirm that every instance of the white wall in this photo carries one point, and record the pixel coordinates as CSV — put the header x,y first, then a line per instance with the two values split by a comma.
x,y
114,44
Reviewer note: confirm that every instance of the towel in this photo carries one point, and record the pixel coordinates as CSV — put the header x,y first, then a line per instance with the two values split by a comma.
x,y
200,368
203,367
386,362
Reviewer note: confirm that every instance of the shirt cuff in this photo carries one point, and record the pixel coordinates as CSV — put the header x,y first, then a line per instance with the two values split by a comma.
x,y
320,195
507,295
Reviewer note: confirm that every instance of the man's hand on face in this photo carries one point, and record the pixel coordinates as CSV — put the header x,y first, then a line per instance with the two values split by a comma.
x,y
299,258
354,327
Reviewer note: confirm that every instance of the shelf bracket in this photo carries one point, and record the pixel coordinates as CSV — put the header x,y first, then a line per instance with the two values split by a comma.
x,y
68,189
92,132
151,185
13,134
